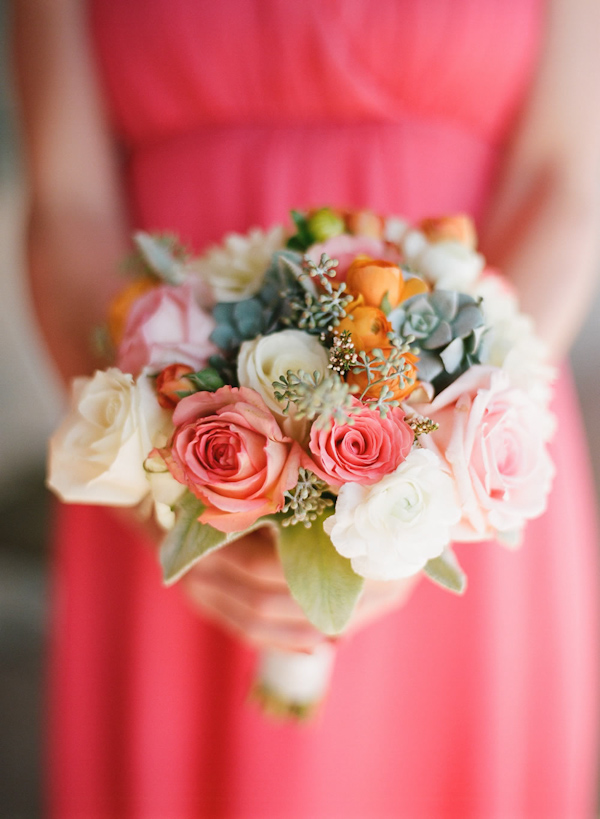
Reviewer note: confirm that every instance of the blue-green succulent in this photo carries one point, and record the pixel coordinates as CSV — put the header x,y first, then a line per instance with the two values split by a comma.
x,y
449,330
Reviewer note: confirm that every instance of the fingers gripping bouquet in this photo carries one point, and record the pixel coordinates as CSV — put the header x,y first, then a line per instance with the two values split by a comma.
x,y
367,389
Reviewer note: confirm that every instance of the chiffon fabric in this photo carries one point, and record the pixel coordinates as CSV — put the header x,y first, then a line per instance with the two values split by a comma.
x,y
228,114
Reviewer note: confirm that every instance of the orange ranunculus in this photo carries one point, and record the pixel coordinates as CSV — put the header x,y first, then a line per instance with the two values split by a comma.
x,y
458,228
169,382
368,327
400,389
412,287
122,303
373,279
364,223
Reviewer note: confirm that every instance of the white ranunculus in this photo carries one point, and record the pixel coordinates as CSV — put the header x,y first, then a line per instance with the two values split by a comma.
x,y
97,454
266,358
391,529
448,265
235,269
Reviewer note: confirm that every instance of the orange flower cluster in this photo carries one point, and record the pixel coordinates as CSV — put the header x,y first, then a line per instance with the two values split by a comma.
x,y
376,285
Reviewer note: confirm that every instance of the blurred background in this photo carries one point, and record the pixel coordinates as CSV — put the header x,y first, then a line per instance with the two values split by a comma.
x,y
31,401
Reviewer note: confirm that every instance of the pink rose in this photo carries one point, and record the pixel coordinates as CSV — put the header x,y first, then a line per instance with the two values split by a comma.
x,y
166,325
491,438
362,452
228,449
346,248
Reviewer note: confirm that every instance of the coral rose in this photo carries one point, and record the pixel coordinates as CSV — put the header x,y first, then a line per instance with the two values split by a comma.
x,y
228,449
401,387
361,452
491,438
375,280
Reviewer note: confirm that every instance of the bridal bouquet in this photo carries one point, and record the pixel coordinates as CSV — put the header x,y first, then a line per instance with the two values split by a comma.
x,y
366,380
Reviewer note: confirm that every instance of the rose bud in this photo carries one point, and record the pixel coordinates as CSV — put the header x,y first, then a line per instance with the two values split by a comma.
x,y
171,381
325,223
364,223
458,228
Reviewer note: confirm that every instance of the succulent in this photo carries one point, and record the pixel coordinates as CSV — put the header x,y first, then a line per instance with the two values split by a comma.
x,y
449,330
263,313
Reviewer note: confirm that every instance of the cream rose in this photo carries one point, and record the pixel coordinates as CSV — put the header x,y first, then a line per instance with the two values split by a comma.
x,y
97,454
235,269
391,529
266,358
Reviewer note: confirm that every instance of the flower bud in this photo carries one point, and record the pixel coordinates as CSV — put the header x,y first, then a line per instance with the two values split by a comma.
x,y
364,223
458,228
324,224
171,381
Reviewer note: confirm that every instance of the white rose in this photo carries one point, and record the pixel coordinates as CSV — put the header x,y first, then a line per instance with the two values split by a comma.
x,y
97,454
266,358
235,270
514,346
391,529
395,229
448,265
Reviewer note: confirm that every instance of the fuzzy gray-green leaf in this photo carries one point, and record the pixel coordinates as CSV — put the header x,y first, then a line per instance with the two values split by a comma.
x,y
320,579
189,540
158,258
445,571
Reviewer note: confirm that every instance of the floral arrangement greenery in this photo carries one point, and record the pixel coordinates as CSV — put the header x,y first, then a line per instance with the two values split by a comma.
x,y
370,381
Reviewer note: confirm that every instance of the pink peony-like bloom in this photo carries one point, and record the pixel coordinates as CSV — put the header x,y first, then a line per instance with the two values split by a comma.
x,y
362,452
346,248
228,449
166,325
490,437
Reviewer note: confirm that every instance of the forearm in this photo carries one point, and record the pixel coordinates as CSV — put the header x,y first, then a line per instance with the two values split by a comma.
x,y
73,258
543,223
76,223
549,248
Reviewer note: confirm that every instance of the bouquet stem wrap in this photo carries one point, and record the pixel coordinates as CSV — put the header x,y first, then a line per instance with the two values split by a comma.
x,y
291,685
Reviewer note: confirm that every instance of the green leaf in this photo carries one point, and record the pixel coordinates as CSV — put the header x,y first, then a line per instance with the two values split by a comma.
x,y
158,258
385,305
207,379
445,571
189,540
320,579
303,238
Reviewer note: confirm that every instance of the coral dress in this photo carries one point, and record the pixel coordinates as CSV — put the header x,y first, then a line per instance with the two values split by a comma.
x,y
230,113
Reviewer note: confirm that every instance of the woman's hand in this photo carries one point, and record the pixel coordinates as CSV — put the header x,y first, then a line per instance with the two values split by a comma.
x,y
242,588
